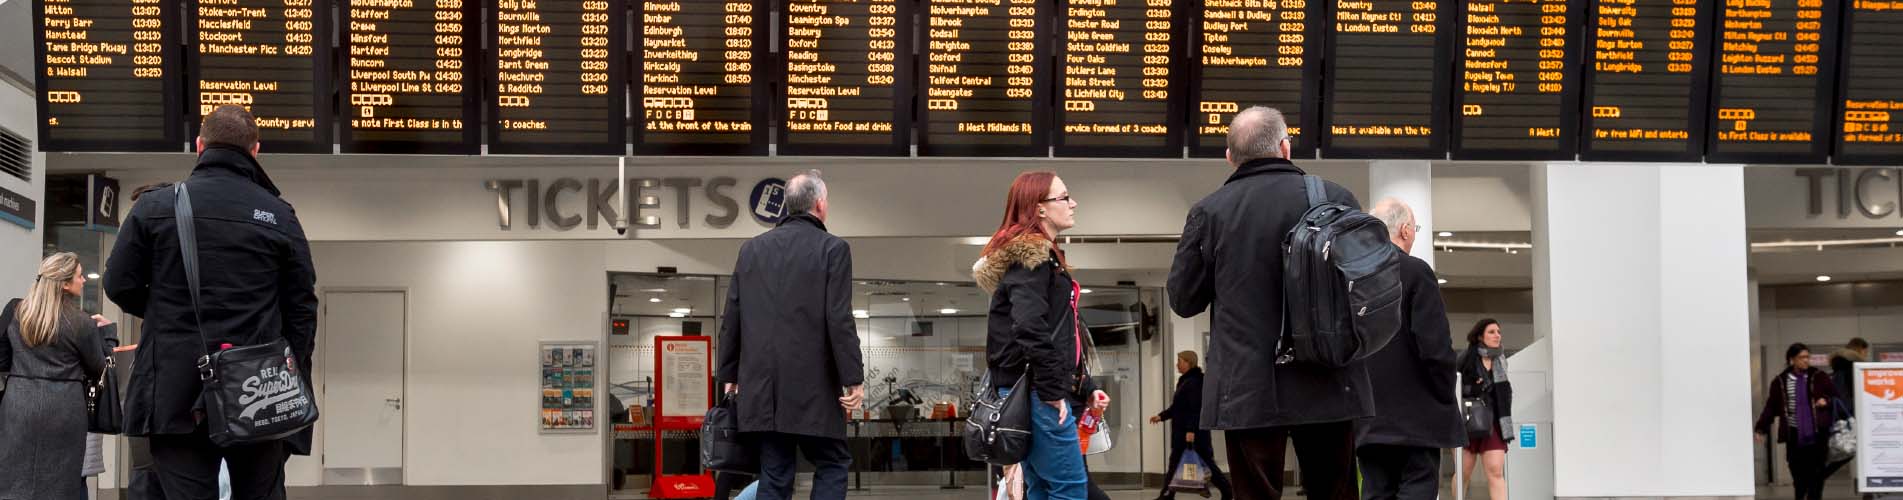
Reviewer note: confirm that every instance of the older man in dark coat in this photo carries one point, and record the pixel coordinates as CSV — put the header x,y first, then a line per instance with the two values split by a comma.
x,y
1416,413
1229,262
790,346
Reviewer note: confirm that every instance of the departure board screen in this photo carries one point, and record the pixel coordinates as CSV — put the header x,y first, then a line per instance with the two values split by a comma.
x,y
1387,82
105,74
703,77
847,87
1870,106
984,80
267,56
554,77
1645,79
1517,84
409,76
1247,53
1119,83
1774,81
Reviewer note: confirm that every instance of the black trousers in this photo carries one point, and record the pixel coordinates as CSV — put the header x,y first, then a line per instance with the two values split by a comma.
x,y
1807,468
1391,472
778,465
1326,452
728,484
1205,449
187,465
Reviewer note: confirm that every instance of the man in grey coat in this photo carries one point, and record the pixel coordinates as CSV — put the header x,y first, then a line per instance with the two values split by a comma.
x,y
789,347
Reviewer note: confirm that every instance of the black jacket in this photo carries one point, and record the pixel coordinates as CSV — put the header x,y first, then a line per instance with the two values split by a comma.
x,y
1778,405
257,285
1477,381
1032,327
1414,403
1230,257
789,339
1186,406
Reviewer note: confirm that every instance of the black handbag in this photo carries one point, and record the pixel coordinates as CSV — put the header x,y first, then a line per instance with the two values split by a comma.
x,y
721,447
104,415
998,428
1479,416
250,394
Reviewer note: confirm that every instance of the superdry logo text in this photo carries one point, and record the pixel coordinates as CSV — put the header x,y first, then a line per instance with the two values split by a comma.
x,y
270,387
264,216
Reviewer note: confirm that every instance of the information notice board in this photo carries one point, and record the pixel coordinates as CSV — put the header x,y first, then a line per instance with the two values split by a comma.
x,y
1646,87
1247,53
700,77
108,76
266,56
1387,82
1870,86
847,82
1119,79
409,76
1879,393
985,81
554,78
1516,90
1773,80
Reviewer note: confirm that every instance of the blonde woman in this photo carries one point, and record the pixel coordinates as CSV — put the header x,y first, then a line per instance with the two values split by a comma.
x,y
51,349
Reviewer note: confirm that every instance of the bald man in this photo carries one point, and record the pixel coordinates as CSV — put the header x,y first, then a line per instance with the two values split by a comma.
x,y
1416,413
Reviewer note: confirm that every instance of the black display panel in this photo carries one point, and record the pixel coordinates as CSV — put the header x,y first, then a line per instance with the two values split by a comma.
x,y
1516,93
1870,103
1646,80
1120,78
1247,53
1774,81
270,56
985,79
847,82
107,75
555,77
701,77
409,82
1387,79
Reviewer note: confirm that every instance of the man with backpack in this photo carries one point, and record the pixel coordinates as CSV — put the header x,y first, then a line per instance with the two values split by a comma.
x,y
1230,262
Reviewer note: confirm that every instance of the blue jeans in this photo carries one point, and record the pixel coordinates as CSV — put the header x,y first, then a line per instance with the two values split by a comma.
x,y
1055,468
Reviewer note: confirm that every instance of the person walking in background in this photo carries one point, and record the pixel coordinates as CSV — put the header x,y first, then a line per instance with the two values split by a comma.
x,y
1230,257
1483,375
1033,330
789,347
1185,415
51,350
1801,396
1842,366
257,286
1415,411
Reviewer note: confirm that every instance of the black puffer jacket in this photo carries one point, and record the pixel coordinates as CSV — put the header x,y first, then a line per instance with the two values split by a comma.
x,y
1229,261
1032,326
257,285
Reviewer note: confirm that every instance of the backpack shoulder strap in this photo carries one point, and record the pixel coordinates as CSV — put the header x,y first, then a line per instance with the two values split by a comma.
x,y
1314,188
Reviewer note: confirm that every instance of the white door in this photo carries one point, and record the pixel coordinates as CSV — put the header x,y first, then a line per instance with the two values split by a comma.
x,y
362,363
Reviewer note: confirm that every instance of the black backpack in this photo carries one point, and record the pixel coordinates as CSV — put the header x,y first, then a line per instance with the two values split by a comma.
x,y
1341,284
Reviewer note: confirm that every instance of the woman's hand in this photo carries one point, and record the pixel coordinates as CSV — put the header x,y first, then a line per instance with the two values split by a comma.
x,y
101,321
1100,401
1063,409
1821,402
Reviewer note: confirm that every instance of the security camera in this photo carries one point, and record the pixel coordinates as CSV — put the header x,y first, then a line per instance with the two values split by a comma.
x,y
621,227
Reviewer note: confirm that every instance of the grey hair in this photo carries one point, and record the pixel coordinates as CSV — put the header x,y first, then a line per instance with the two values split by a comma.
x,y
1394,213
803,192
1256,133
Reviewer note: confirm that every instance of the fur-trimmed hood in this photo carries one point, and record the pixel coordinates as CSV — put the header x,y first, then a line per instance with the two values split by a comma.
x,y
1029,250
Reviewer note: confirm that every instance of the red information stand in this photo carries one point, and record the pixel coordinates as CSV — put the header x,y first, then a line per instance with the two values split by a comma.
x,y
681,363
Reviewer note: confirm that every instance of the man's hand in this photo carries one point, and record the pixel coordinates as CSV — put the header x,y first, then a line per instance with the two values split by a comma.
x,y
854,396
1100,400
1156,419
730,388
1758,436
1063,409
1189,437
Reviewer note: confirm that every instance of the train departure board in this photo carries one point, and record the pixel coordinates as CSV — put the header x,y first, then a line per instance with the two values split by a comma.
x,y
1773,81
554,81
1119,78
409,76
848,84
266,56
106,75
1645,79
1870,88
1516,93
702,78
1254,53
1387,80
986,68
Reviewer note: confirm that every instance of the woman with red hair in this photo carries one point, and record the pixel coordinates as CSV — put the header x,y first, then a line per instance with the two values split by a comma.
x,y
1033,330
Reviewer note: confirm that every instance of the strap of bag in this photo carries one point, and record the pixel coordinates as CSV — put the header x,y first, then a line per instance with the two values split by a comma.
x,y
1313,186
188,251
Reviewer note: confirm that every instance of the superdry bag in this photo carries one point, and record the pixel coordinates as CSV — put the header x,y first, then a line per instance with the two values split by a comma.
x,y
1341,284
251,394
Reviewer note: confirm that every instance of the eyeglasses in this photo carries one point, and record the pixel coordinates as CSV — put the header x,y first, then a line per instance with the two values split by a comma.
x,y
1065,198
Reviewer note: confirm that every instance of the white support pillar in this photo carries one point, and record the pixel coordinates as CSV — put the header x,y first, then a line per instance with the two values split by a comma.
x,y
1412,181
1640,287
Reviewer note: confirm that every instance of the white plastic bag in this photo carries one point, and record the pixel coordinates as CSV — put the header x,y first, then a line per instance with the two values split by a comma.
x,y
1011,486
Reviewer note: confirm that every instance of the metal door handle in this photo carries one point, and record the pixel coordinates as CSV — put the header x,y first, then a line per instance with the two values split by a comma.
x,y
396,402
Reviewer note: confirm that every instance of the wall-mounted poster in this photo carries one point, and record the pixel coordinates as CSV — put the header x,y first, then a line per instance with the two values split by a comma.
x,y
684,368
568,387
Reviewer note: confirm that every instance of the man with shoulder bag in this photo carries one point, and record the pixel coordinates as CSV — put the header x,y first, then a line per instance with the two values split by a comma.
x,y
220,270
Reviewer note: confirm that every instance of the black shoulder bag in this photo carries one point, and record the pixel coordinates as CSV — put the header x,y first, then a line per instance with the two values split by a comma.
x,y
998,428
721,447
103,411
251,394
